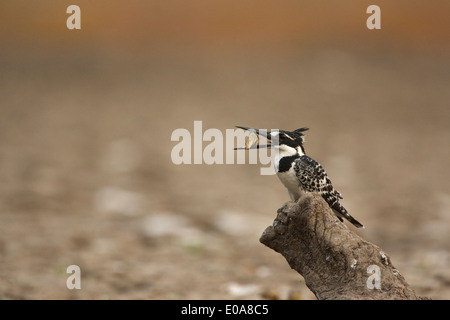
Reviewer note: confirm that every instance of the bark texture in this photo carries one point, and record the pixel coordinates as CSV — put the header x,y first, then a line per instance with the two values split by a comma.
x,y
335,262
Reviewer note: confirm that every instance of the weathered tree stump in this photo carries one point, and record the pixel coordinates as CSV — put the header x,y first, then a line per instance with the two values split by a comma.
x,y
335,262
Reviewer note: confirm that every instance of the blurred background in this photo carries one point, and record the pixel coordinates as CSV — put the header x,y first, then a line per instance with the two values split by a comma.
x,y
86,118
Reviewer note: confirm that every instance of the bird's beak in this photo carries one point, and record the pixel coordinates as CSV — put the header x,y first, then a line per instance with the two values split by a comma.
x,y
263,133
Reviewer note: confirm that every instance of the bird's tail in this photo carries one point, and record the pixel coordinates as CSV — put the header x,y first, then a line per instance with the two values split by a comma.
x,y
341,212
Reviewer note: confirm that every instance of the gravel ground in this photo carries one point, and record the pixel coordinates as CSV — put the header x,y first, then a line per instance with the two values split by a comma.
x,y
86,176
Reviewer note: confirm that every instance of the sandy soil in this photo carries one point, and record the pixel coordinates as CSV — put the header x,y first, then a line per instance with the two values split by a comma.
x,y
86,176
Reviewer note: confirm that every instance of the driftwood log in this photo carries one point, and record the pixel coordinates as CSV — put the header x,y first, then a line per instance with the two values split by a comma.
x,y
335,262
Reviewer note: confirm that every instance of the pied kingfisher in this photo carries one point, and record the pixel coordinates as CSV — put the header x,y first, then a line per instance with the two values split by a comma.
x,y
298,172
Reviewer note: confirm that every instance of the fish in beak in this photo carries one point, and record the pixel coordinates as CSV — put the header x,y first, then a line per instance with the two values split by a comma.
x,y
252,140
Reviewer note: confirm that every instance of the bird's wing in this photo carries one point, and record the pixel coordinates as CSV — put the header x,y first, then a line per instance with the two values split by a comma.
x,y
313,178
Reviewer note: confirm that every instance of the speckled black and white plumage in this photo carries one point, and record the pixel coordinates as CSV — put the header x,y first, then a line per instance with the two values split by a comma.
x,y
299,173
312,177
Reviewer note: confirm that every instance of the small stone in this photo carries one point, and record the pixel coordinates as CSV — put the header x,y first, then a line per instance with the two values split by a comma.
x,y
295,295
270,294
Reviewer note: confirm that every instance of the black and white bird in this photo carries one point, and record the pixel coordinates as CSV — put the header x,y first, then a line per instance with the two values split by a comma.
x,y
298,172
